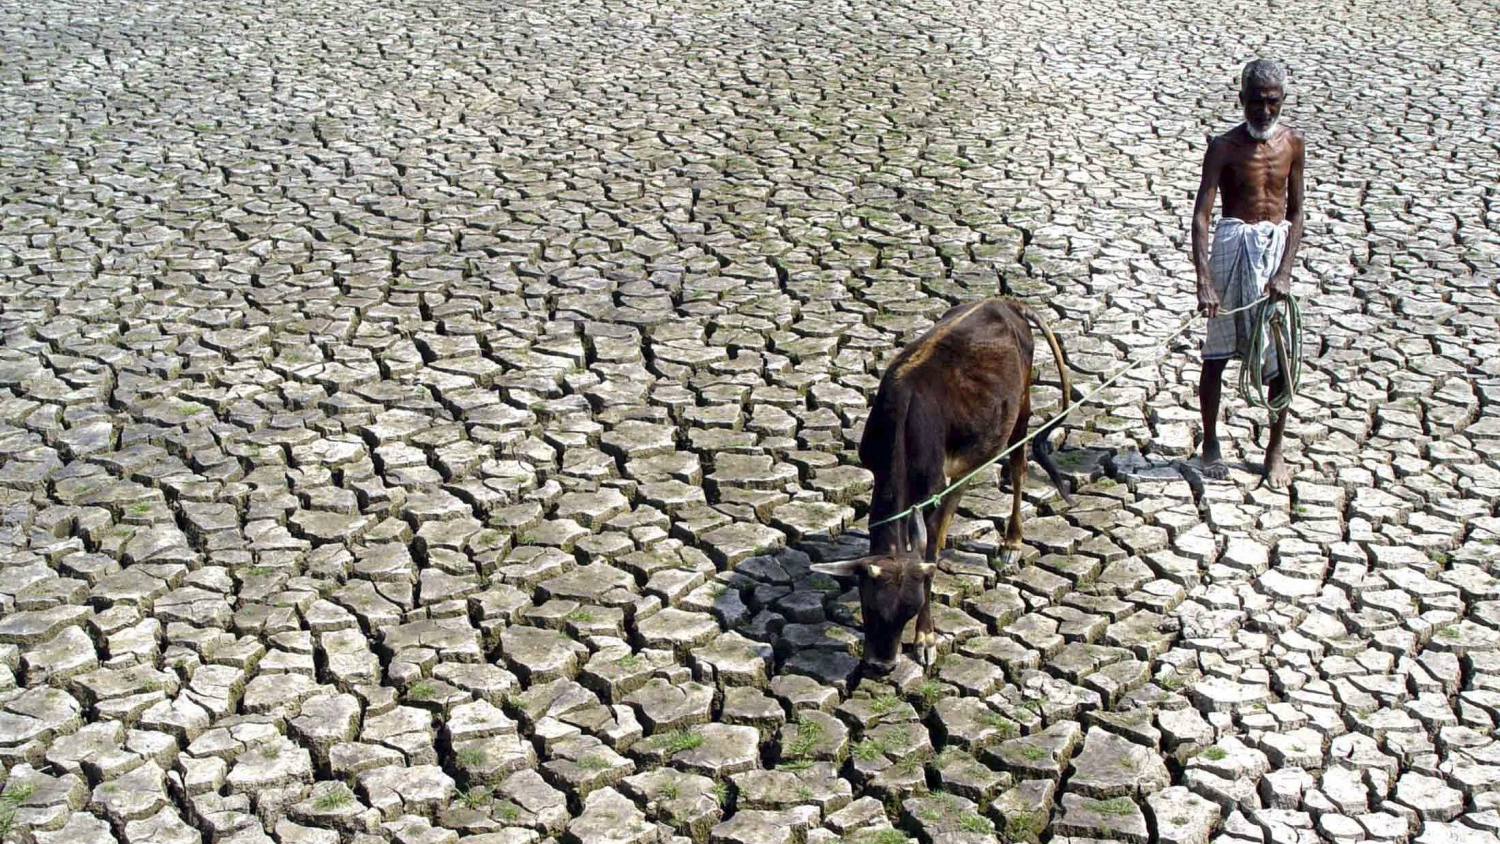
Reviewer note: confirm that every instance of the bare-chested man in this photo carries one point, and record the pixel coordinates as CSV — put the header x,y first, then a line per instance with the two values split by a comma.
x,y
1257,166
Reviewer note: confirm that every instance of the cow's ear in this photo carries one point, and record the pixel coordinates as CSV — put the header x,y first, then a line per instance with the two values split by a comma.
x,y
927,569
847,568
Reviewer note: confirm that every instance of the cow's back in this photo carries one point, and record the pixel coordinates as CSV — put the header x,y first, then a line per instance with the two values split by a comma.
x,y
958,381
975,345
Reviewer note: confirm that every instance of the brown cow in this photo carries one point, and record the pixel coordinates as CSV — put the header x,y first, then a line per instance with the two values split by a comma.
x,y
949,402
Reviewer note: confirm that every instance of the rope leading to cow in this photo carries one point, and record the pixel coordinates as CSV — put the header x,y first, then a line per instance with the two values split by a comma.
x,y
1282,324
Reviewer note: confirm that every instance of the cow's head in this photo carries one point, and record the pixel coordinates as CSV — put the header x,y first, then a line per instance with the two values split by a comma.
x,y
892,588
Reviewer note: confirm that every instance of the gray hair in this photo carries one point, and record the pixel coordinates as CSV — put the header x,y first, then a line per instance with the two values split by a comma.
x,y
1263,73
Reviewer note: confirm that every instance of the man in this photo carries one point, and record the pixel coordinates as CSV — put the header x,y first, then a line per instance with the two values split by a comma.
x,y
1257,166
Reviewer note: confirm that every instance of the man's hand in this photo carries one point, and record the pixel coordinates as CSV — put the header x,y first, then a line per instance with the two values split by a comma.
x,y
1280,287
1208,300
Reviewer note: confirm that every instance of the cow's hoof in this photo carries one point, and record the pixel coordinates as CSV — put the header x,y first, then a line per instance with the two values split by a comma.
x,y
1009,557
926,649
927,655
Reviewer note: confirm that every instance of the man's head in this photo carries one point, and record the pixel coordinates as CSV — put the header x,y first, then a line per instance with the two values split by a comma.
x,y
1262,92
891,591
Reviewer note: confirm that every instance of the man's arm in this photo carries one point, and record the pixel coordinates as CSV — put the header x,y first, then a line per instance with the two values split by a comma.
x,y
1203,206
1281,283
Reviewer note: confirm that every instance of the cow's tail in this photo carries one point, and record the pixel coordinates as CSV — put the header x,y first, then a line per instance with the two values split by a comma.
x,y
1041,449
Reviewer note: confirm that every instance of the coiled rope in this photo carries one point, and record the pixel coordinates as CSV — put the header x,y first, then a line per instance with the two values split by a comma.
x,y
1281,324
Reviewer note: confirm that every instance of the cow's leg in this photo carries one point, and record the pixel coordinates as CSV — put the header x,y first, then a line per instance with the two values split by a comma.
x,y
1010,552
926,637
942,521
924,642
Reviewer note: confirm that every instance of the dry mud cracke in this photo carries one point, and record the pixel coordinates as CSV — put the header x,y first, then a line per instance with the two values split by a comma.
x,y
417,422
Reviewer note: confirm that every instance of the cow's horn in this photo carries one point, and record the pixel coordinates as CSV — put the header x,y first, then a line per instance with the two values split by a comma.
x,y
919,546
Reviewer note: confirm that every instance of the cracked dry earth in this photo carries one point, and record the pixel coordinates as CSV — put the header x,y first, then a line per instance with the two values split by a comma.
x,y
417,420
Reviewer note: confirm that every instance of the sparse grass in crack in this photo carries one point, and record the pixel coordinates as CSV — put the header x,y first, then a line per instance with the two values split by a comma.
x,y
1115,806
807,736
930,691
475,797
1000,724
971,822
677,741
869,750
1027,824
333,799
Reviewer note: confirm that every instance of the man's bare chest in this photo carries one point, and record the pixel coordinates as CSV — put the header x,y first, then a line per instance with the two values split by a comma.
x,y
1259,169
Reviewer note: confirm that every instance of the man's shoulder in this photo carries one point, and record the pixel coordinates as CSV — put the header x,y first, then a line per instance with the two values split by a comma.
x,y
1231,140
1223,139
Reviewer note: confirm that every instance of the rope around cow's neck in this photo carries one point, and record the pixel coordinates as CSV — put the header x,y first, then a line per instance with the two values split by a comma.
x,y
1287,333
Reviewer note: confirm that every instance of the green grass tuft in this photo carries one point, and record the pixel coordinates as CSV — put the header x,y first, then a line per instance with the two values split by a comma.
x,y
677,741
474,797
808,734
975,823
334,798
869,750
1115,806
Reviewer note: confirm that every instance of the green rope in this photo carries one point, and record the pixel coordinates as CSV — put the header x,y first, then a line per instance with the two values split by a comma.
x,y
1286,330
1279,323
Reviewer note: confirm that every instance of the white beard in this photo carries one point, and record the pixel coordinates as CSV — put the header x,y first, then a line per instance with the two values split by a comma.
x,y
1262,133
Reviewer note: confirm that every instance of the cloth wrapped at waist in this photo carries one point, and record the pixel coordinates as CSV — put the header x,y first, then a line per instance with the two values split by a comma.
x,y
1244,258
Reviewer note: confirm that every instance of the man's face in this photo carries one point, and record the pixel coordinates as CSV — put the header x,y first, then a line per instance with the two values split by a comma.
x,y
1262,109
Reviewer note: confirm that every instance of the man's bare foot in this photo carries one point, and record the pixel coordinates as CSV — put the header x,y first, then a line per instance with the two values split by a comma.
x,y
1213,462
1278,476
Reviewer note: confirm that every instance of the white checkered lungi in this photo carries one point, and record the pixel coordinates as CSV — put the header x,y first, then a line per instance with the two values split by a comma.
x,y
1243,259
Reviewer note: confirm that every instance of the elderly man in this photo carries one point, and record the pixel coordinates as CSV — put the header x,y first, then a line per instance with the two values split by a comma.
x,y
1257,166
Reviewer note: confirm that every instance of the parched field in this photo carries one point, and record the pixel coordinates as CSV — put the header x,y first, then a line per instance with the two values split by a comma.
x,y
417,421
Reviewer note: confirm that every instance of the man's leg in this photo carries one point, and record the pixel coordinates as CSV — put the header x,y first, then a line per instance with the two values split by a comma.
x,y
1276,472
1210,388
